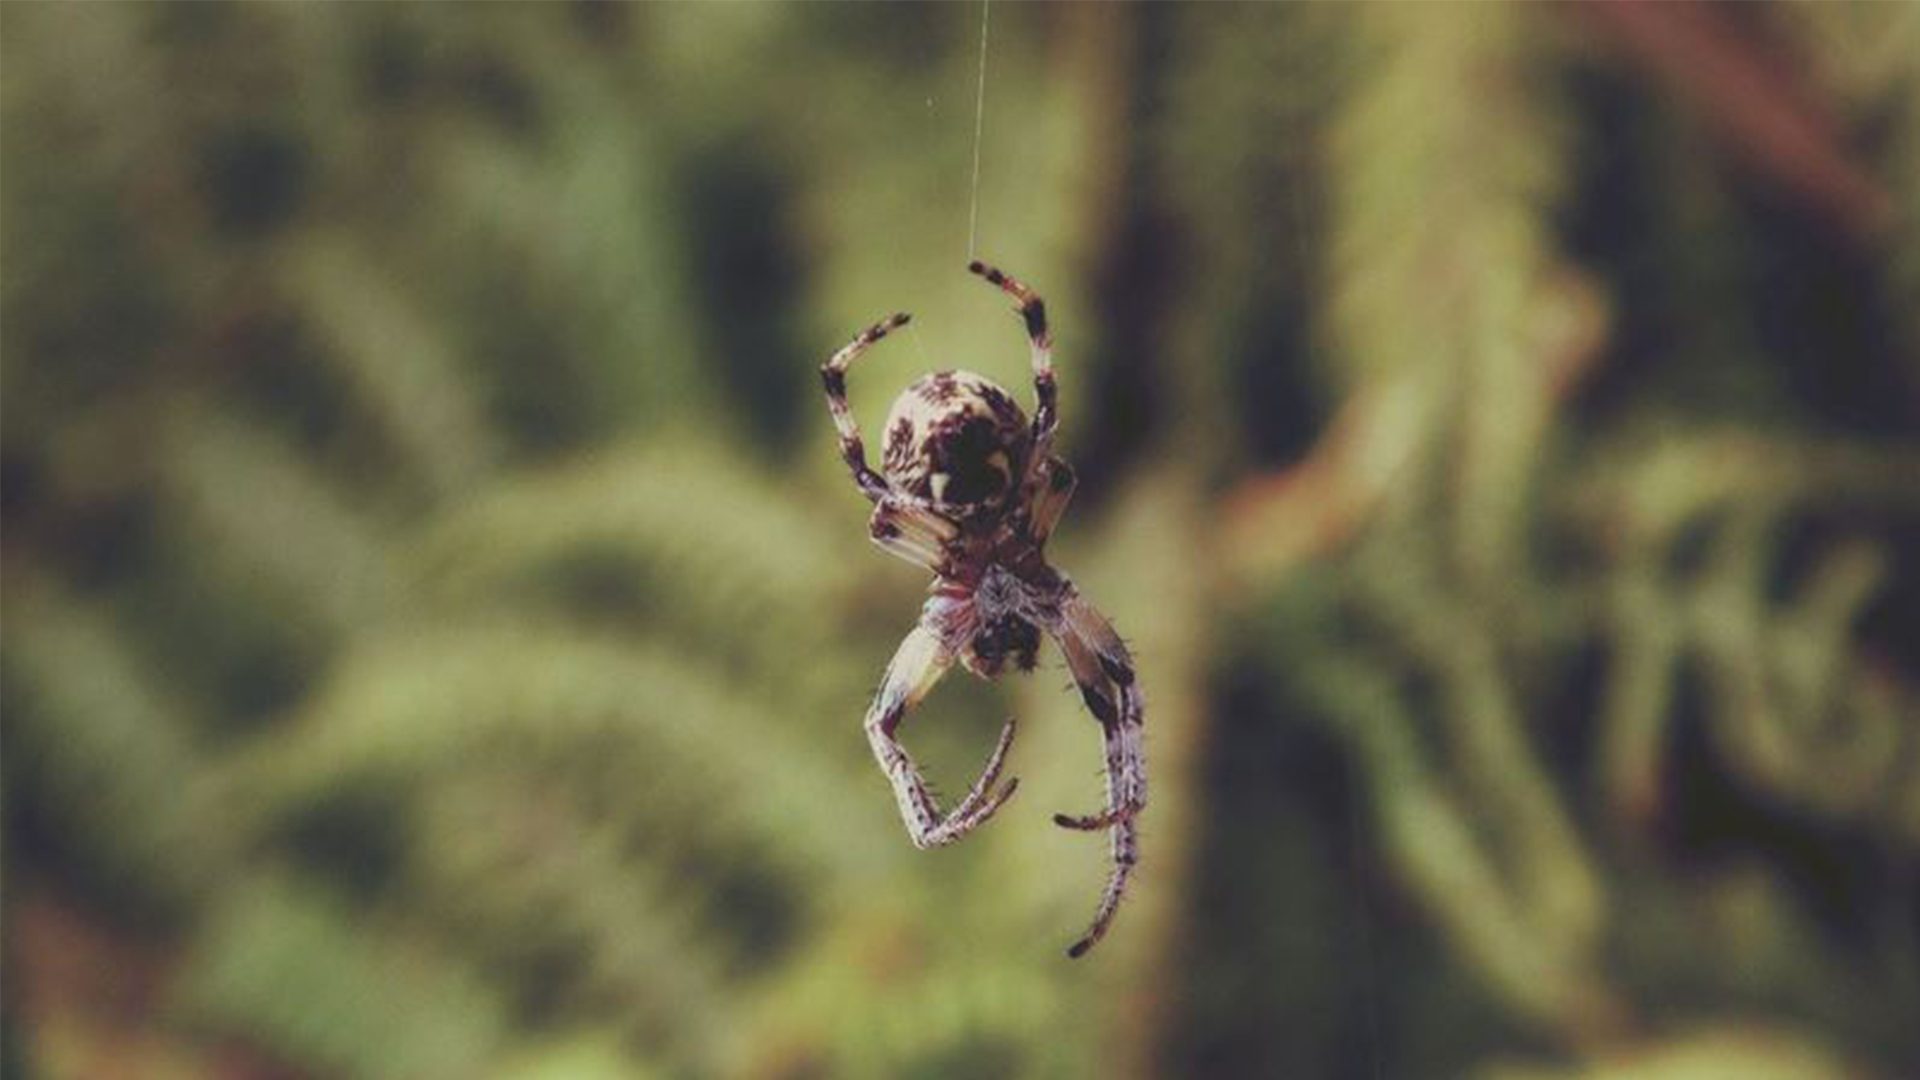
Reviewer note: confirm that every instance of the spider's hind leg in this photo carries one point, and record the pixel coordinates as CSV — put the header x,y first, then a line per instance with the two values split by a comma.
x,y
918,664
1104,672
1126,855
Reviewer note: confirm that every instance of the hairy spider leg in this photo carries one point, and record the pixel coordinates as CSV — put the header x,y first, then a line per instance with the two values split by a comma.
x,y
1033,312
918,536
1104,672
915,668
1053,489
833,375
1103,669
1126,855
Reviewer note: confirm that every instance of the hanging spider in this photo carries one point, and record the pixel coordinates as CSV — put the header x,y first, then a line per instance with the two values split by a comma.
x,y
971,491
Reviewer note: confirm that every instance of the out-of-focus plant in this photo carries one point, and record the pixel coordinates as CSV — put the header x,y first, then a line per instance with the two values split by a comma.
x,y
1476,582
407,630
437,624
1446,290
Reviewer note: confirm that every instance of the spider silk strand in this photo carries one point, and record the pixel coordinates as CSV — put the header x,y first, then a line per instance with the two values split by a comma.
x,y
979,123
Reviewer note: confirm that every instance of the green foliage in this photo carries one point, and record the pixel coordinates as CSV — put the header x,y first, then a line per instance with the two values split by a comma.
x,y
369,1003
437,622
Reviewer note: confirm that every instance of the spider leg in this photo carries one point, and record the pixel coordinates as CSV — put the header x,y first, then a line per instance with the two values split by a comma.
x,y
1100,665
1054,487
833,375
1126,855
918,664
1104,672
1033,311
916,535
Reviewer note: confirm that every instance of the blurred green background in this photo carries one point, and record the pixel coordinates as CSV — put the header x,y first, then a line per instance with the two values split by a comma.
x,y
437,623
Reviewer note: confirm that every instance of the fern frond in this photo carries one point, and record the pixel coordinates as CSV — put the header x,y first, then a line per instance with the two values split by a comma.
x,y
312,982
724,554
1433,832
1446,158
621,287
870,998
427,701
399,366
97,746
1445,161
527,882
264,515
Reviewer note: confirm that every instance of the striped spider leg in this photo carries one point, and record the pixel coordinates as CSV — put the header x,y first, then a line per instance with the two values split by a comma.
x,y
919,663
1046,393
1105,675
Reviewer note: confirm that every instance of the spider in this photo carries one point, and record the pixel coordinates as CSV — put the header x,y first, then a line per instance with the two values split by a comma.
x,y
971,491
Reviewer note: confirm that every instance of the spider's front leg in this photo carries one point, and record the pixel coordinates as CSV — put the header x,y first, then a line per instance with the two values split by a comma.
x,y
1053,489
1033,312
919,663
833,376
1100,665
917,535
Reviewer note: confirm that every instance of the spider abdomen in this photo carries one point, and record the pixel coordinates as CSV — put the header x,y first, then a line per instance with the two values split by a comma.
x,y
957,440
1010,639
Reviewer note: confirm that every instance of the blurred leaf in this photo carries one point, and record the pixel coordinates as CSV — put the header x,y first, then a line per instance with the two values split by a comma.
x,y
369,1003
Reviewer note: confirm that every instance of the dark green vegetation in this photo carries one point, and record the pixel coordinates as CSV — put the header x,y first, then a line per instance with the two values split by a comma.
x,y
437,622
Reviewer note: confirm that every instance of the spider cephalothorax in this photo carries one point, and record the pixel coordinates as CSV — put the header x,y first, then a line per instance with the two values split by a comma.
x,y
970,490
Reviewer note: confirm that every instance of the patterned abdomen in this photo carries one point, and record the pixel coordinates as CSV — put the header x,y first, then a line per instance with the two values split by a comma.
x,y
956,439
